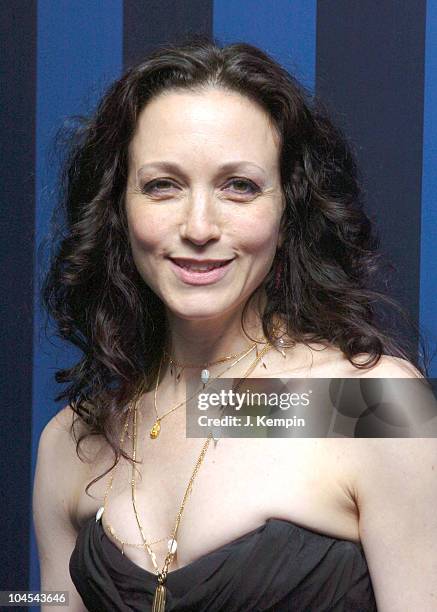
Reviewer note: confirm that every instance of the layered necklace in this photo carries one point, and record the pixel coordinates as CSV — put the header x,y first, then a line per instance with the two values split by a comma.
x,y
155,431
160,595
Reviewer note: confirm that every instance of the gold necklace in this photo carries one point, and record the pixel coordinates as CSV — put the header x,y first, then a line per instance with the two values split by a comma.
x,y
155,431
205,373
101,510
160,592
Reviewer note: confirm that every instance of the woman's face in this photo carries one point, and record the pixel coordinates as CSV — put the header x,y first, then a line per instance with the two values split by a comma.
x,y
203,190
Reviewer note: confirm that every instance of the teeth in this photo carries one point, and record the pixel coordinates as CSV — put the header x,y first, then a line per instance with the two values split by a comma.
x,y
201,268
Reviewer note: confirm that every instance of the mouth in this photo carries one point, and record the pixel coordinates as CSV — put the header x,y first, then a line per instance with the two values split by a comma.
x,y
196,265
200,272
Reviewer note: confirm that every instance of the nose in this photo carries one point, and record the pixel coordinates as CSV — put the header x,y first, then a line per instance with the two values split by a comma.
x,y
200,222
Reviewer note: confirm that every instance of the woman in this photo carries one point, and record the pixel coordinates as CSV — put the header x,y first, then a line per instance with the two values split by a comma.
x,y
214,228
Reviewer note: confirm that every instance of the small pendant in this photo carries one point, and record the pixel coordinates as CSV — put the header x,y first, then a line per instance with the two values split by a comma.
x,y
159,599
204,376
154,432
99,513
281,343
172,546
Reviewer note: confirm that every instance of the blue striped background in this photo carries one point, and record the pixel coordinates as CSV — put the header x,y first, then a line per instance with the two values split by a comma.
x,y
428,267
79,52
75,47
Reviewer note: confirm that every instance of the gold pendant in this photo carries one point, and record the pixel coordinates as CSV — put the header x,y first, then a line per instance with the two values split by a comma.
x,y
159,599
154,432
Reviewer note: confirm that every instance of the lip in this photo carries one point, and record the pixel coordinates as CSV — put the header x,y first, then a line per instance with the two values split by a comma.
x,y
200,278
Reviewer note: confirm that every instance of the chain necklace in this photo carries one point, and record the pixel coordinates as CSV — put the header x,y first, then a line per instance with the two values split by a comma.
x,y
160,592
205,373
155,431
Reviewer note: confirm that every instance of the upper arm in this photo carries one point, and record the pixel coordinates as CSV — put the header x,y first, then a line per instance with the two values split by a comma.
x,y
397,497
54,485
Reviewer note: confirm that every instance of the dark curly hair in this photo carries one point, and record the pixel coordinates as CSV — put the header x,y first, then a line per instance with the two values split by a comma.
x,y
98,299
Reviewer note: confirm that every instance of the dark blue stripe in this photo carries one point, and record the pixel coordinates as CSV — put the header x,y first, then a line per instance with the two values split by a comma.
x,y
79,52
156,22
17,126
370,71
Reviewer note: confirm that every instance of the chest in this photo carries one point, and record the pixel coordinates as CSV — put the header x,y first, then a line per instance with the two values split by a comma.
x,y
239,485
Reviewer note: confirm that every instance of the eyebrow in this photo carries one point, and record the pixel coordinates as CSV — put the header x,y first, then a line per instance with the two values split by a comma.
x,y
175,168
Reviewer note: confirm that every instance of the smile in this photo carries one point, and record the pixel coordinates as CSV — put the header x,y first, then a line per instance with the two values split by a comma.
x,y
200,272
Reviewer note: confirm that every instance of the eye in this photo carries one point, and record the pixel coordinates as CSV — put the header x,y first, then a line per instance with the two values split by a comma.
x,y
244,186
162,186
157,186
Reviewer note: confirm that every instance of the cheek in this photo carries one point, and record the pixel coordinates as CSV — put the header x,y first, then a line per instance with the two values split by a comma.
x,y
143,243
144,233
260,237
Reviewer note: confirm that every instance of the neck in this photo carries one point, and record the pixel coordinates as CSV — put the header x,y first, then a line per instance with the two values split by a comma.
x,y
205,341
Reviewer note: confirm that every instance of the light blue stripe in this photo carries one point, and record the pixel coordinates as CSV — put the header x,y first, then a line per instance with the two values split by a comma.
x,y
428,267
79,50
286,29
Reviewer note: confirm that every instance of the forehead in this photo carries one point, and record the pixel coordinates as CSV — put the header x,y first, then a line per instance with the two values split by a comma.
x,y
212,122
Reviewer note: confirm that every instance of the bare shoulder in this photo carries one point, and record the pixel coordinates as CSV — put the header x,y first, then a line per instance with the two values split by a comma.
x,y
56,439
57,456
59,430
57,476
328,360
389,367
66,428
62,432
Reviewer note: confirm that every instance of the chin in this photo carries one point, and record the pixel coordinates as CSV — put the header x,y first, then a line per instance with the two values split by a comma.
x,y
198,312
198,315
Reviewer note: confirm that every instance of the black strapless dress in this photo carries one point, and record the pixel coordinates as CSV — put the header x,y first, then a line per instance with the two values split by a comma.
x,y
278,566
